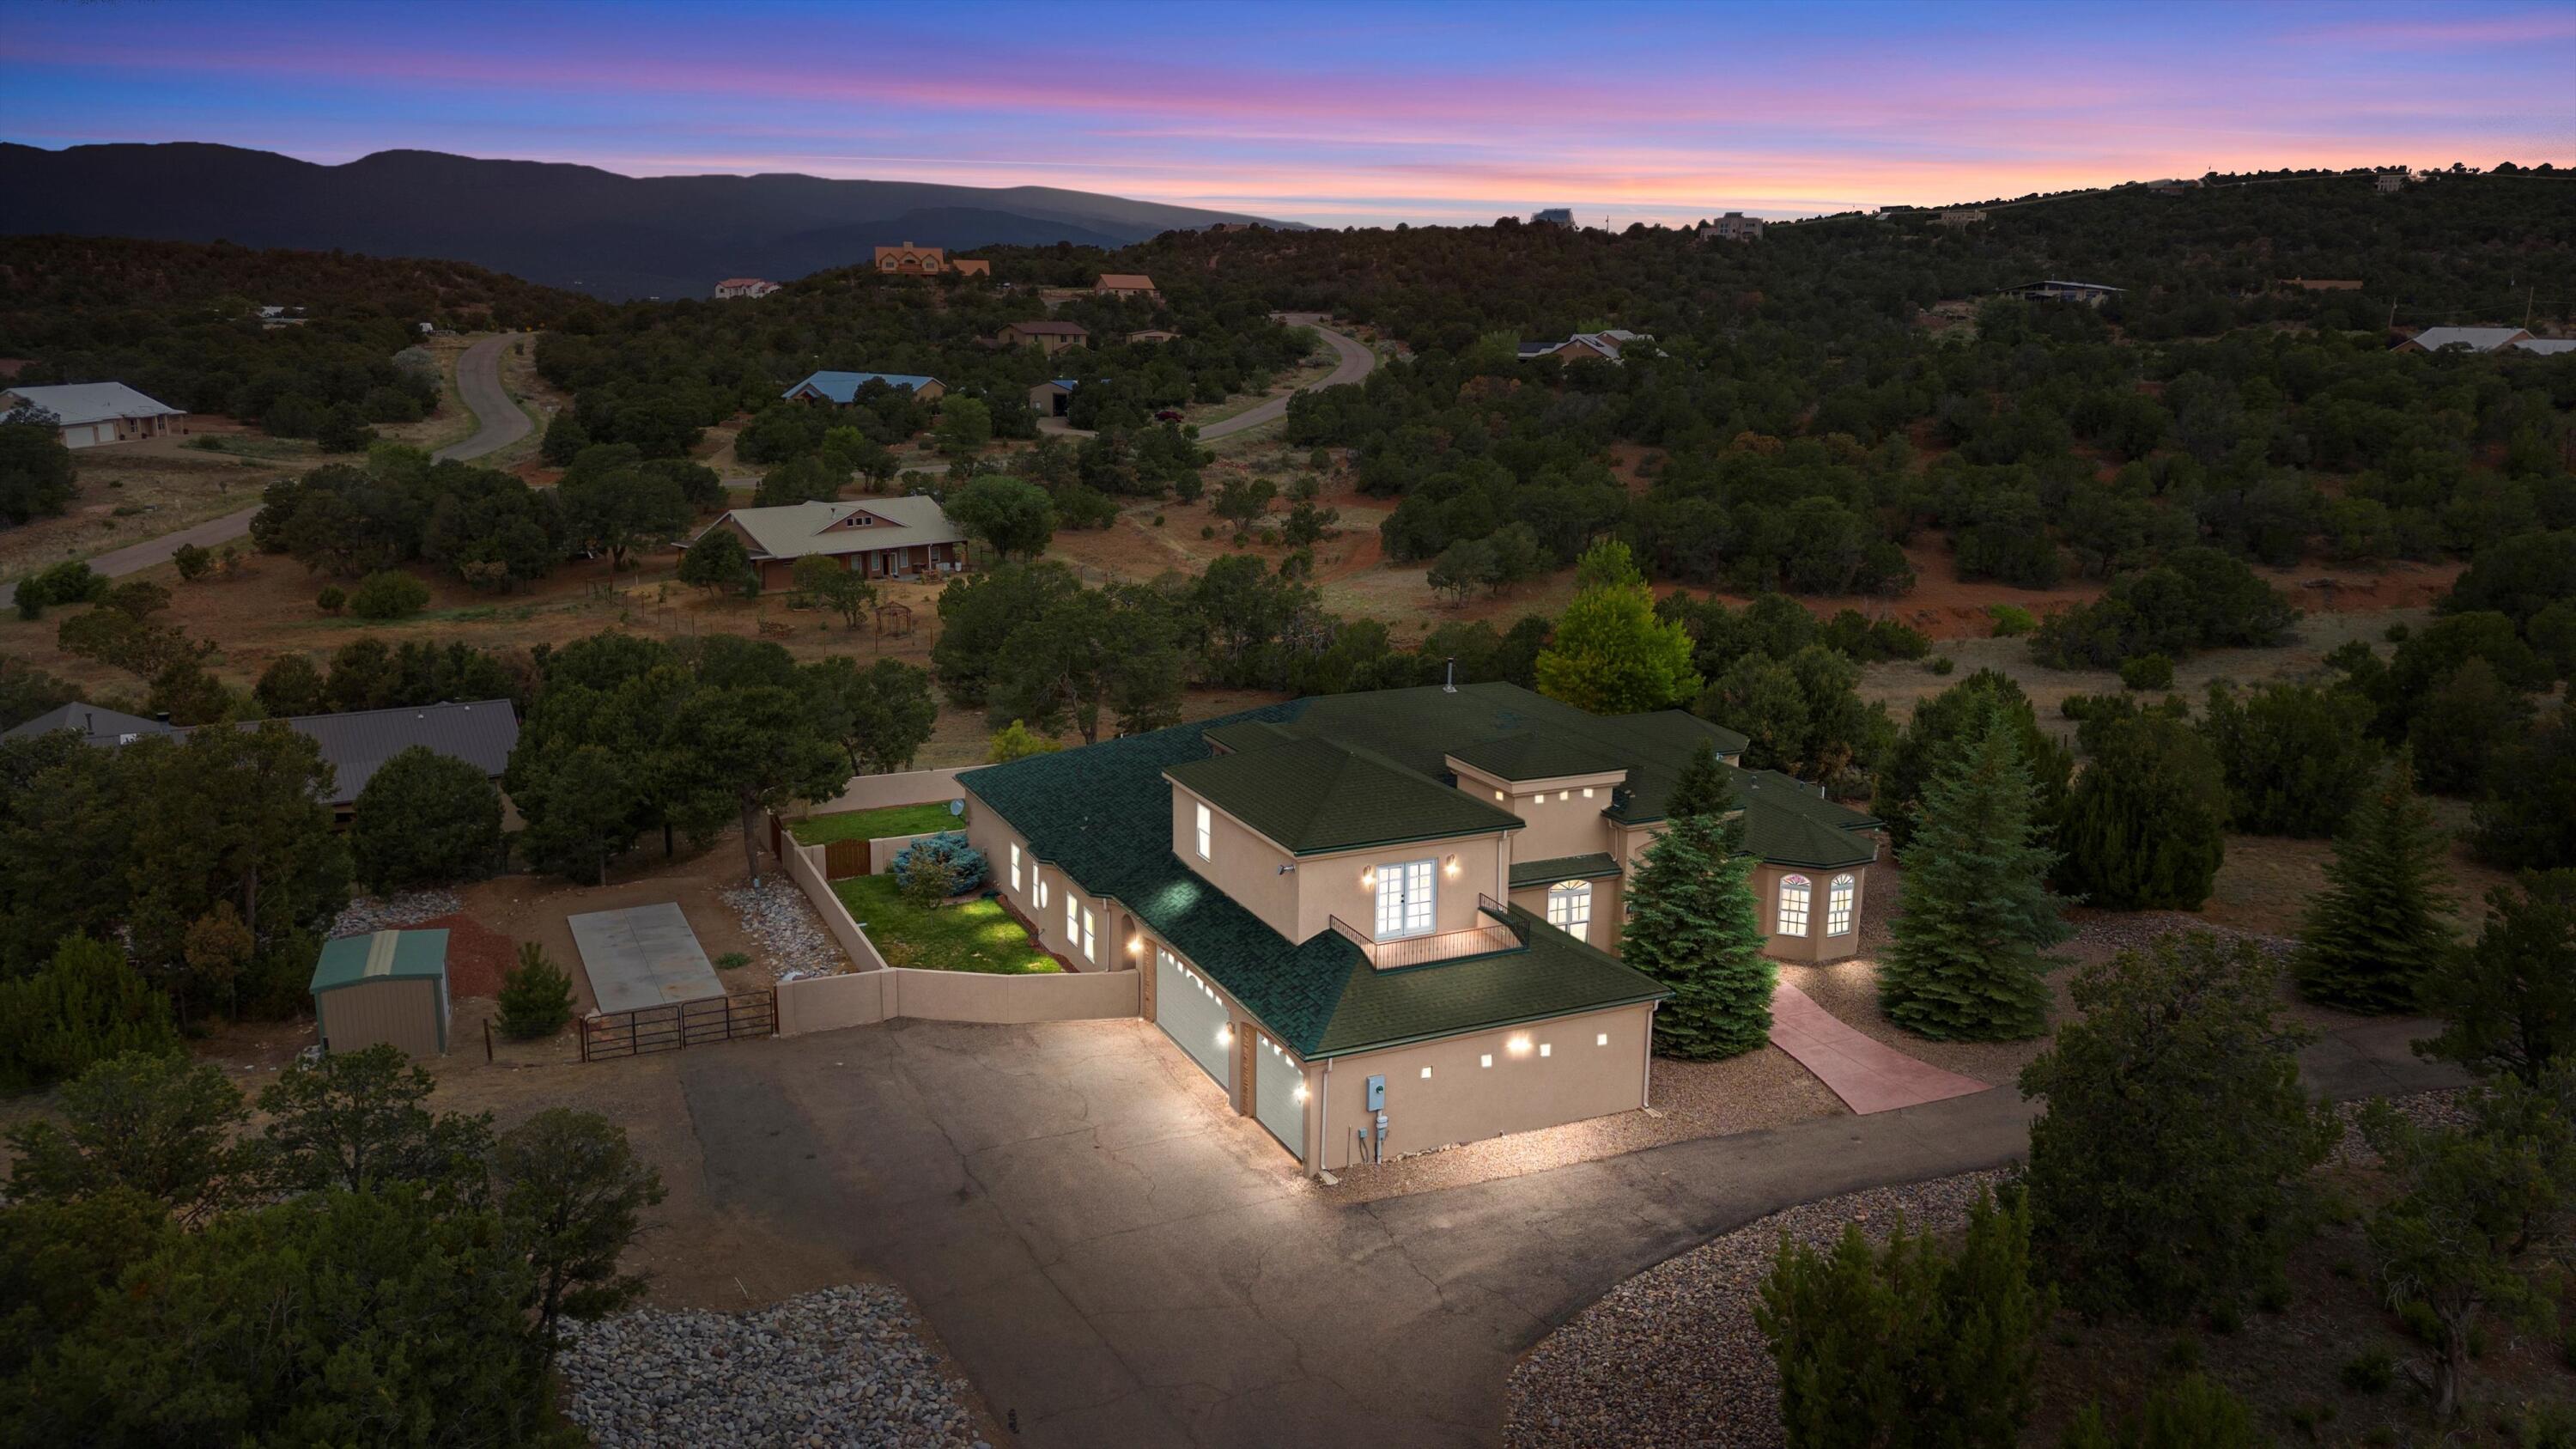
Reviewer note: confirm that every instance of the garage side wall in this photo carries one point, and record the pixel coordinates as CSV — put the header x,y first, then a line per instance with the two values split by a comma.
x,y
1464,1100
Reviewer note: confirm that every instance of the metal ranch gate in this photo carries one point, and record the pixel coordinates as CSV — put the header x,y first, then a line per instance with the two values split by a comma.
x,y
679,1025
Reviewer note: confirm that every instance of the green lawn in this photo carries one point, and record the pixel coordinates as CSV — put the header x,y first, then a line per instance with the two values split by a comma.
x,y
975,936
873,824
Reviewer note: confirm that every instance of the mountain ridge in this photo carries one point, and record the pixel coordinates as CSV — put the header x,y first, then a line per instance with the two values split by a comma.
x,y
559,223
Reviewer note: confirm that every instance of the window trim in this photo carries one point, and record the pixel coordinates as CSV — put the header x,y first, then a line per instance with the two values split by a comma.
x,y
1805,894
1207,831
1090,936
1015,865
1840,895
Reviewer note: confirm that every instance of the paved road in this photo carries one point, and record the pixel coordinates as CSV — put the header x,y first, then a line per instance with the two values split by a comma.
x,y
1357,361
478,378
1117,1259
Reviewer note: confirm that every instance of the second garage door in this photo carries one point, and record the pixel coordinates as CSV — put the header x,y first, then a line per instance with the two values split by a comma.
x,y
1189,1011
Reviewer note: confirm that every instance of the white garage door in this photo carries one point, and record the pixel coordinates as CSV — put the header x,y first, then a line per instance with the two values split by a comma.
x,y
1276,1100
82,437
1188,1009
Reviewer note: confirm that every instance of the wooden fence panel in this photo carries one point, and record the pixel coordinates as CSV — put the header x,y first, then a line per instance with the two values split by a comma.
x,y
845,858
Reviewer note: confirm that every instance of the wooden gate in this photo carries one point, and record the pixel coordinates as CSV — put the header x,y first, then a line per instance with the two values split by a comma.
x,y
845,858
682,1024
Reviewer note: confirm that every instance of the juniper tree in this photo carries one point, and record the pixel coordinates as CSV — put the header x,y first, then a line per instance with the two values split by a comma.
x,y
2379,929
2510,998
1692,923
1966,960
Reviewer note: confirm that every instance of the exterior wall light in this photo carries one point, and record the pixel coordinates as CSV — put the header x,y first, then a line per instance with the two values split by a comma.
x,y
1587,792
1301,1091
1602,1040
1225,1036
1545,1047
1368,879
1426,1074
1519,1045
1451,869
1498,794
1488,1060
1565,794
1135,945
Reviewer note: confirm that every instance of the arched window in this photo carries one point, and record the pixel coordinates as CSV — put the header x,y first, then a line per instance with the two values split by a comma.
x,y
1569,907
1838,905
1793,905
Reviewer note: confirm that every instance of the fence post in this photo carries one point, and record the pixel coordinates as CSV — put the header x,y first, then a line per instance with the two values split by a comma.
x,y
487,1041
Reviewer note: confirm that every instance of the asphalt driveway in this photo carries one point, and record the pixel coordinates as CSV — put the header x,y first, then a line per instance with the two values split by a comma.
x,y
1116,1259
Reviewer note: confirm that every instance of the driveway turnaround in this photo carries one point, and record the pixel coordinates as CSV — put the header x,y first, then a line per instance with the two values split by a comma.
x,y
1115,1258
1868,1074
500,422
642,956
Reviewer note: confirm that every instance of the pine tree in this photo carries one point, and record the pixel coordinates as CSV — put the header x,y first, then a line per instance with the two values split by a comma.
x,y
2379,928
1966,961
1692,923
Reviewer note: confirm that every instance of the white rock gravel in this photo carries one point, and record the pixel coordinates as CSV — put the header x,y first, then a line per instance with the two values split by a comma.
x,y
778,918
387,913
840,1367
1673,1357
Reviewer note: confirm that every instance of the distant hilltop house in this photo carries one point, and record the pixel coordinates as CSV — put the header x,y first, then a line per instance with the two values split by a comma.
x,y
355,744
838,388
2389,183
1584,346
880,538
1153,334
2316,284
2485,339
1957,219
2090,294
1046,336
732,287
1230,226
912,261
1553,216
1053,398
1126,284
2171,187
89,414
1735,226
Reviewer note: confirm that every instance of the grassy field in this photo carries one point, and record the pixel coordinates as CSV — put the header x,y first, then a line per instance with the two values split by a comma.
x,y
873,824
975,936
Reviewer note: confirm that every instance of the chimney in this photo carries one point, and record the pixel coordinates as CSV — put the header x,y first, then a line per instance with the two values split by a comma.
x,y
1449,684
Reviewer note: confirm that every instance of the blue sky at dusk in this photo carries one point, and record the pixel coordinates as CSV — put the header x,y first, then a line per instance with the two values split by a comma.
x,y
1330,113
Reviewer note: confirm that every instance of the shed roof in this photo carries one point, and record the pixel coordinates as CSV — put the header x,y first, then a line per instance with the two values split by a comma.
x,y
793,530
381,956
93,402
841,387
1125,281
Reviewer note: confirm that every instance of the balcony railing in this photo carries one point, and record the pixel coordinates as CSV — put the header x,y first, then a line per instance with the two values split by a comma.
x,y
1483,939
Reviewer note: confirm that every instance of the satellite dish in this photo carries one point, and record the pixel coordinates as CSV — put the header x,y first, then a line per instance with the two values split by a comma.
x,y
957,808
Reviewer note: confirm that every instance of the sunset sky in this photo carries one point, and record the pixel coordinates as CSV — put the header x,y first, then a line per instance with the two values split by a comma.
x,y
1328,113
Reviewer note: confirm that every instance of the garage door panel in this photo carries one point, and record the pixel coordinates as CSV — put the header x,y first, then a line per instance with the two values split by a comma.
x,y
1190,1012
1278,1095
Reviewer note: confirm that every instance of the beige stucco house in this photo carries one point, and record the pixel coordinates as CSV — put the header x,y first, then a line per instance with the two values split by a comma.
x,y
879,538
908,260
1405,902
1046,335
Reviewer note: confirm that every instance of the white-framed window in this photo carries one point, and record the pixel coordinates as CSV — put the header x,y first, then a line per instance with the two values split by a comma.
x,y
1207,832
1838,905
1406,905
1569,907
1793,905
1072,921
1090,937
1042,890
1015,865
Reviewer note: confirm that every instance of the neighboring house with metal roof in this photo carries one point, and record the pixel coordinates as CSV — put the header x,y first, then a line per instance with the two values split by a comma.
x,y
1046,335
1420,889
1126,284
840,388
732,287
2475,339
2090,294
2546,346
879,538
1585,346
354,744
92,413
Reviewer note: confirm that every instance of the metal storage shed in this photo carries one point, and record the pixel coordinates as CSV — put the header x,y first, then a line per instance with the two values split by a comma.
x,y
387,987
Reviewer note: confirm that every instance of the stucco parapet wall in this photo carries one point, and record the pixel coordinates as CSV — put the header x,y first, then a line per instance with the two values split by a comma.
x,y
863,998
873,792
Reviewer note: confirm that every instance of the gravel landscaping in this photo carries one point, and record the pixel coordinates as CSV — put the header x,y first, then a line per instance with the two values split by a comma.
x,y
841,1367
778,918
1672,1356
389,913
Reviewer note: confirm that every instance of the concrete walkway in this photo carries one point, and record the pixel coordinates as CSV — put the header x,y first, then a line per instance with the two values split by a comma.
x,y
1114,1257
1868,1074
500,422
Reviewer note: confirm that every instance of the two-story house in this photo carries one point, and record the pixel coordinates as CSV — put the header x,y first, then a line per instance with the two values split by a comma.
x,y
1388,922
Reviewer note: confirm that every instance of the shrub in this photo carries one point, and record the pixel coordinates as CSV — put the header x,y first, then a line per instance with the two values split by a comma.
x,y
2147,671
732,961
2189,1411
2146,825
193,562
1016,741
332,599
424,819
2369,1372
966,867
929,883
388,595
87,1004
2297,757
536,995
2011,620
1941,664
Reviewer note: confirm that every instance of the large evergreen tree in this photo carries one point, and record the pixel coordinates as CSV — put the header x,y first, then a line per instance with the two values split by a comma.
x,y
1611,655
1966,961
2146,826
1692,922
1934,734
2380,926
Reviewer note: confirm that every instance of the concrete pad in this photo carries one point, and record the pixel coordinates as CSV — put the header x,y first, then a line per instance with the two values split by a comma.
x,y
1869,1075
642,956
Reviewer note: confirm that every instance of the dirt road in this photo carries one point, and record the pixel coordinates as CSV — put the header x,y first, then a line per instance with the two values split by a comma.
x,y
1357,361
478,379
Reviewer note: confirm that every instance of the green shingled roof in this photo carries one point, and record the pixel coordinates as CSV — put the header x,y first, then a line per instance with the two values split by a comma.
x,y
1789,822
1537,757
1313,796
1596,866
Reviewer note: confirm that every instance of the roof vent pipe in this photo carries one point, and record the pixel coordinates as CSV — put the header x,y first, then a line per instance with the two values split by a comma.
x,y
1449,684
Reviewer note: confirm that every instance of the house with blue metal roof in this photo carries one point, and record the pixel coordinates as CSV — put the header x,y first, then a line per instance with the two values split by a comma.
x,y
841,388
1389,921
